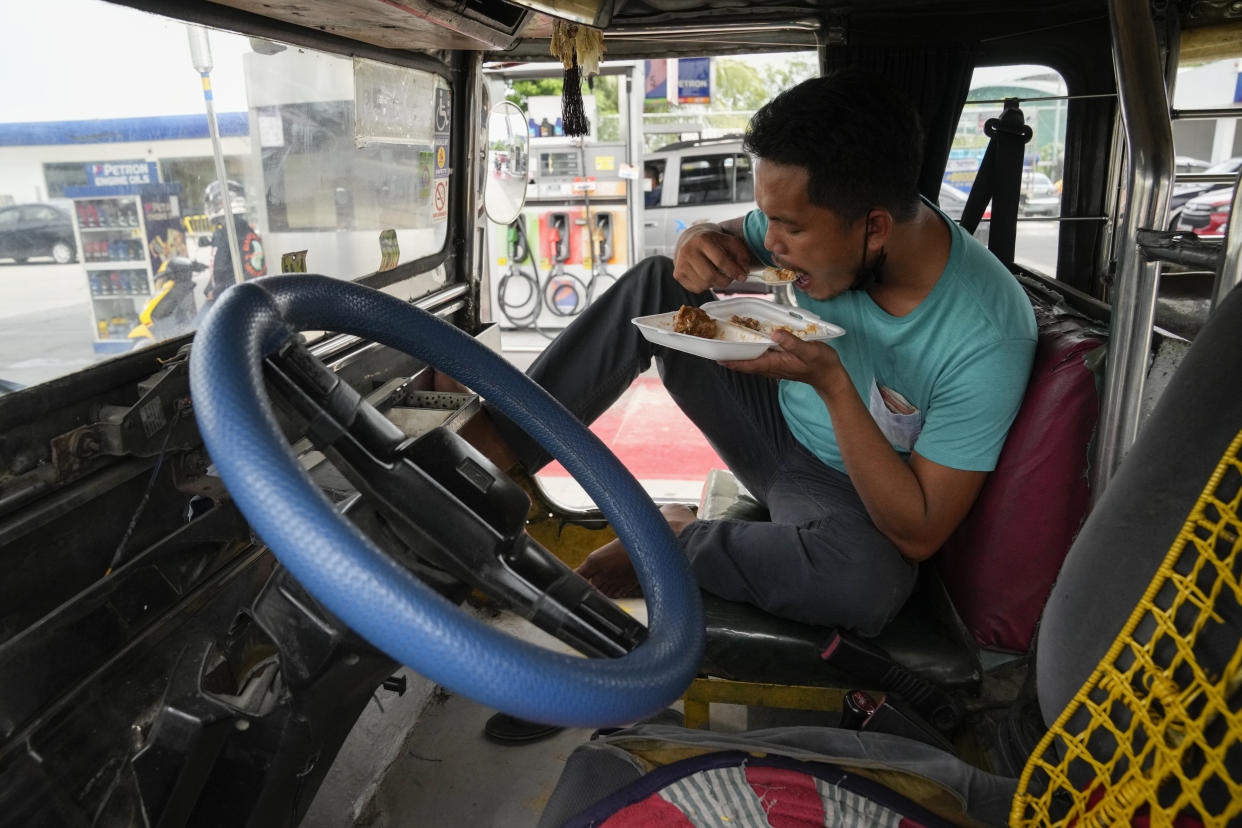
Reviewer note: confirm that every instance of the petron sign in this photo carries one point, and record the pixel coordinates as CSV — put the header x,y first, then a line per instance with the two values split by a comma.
x,y
694,80
121,173
679,80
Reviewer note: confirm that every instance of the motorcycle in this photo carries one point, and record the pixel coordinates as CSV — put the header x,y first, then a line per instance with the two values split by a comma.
x,y
172,310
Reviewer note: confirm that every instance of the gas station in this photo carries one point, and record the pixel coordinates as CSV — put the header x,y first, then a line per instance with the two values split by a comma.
x,y
576,233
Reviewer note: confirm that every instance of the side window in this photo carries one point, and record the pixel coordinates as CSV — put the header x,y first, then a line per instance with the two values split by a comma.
x,y
706,179
744,186
653,182
1042,94
328,158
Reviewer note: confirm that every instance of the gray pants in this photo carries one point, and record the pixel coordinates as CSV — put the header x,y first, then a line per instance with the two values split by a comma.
x,y
820,560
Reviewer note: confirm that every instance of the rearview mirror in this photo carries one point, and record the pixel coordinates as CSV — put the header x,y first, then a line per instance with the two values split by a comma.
x,y
508,151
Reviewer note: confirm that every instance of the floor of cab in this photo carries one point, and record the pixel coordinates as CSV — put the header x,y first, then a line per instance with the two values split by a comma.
x,y
450,774
421,759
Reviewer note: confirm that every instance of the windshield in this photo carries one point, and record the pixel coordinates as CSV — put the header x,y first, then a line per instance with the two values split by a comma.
x,y
115,188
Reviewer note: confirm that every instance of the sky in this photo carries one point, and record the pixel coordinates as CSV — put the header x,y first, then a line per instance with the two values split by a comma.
x,y
87,59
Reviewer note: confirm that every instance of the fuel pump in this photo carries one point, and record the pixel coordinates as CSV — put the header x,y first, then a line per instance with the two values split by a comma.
x,y
523,309
564,292
573,253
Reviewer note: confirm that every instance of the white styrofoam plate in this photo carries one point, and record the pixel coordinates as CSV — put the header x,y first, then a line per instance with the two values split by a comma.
x,y
735,342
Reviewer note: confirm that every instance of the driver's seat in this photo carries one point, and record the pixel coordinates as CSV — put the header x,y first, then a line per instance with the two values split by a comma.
x,y
1138,669
985,589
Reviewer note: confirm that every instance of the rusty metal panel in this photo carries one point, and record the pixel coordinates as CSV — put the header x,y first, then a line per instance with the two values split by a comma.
x,y
387,23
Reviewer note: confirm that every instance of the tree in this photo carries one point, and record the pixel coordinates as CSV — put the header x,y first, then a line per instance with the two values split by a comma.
x,y
604,88
739,86
520,90
799,67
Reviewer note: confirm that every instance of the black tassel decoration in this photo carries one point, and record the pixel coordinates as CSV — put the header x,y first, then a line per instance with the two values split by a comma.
x,y
573,115
573,43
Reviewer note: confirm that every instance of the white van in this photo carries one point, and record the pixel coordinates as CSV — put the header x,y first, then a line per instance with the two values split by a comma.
x,y
704,180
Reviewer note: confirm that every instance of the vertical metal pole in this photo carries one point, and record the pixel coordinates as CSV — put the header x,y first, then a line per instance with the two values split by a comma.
x,y
634,141
200,55
1230,272
1149,139
468,226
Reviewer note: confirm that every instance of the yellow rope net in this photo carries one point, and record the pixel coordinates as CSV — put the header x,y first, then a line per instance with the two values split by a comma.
x,y
1155,730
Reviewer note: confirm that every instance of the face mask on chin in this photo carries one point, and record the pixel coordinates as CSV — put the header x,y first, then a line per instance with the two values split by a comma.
x,y
867,275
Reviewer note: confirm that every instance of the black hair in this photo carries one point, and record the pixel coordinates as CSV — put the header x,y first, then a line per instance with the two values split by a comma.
x,y
858,138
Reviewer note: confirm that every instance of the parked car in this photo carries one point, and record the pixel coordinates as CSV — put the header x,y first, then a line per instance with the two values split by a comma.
x,y
705,180
953,201
1039,196
711,180
32,231
1208,214
1183,193
1187,164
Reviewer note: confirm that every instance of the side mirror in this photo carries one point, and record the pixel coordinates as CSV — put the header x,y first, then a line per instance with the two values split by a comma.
x,y
507,170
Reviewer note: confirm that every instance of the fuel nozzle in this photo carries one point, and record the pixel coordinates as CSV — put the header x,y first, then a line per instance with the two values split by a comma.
x,y
601,236
518,250
558,227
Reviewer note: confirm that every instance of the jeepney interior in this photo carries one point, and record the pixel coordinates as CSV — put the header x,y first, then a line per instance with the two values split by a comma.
x,y
224,610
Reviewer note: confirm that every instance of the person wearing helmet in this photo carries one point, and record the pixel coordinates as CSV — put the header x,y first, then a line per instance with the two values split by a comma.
x,y
172,310
253,264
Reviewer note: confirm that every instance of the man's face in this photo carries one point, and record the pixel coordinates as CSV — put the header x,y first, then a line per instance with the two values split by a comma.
x,y
810,240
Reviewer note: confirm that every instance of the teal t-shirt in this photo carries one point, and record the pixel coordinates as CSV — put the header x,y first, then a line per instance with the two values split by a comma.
x,y
946,380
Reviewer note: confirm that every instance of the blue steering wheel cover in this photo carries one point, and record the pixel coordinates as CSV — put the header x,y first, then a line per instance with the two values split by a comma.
x,y
377,597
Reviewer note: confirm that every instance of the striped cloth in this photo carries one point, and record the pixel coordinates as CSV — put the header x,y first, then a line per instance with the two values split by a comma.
x,y
749,795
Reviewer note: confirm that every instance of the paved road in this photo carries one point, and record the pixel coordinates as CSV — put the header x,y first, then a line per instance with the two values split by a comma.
x,y
37,287
45,321
36,347
1036,246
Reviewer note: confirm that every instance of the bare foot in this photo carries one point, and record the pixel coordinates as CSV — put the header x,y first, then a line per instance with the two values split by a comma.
x,y
609,568
481,433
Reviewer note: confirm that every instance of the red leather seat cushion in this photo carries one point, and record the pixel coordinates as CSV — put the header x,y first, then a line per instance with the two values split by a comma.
x,y
999,566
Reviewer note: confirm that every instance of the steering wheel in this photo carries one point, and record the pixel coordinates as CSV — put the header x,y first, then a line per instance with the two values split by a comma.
x,y
382,600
